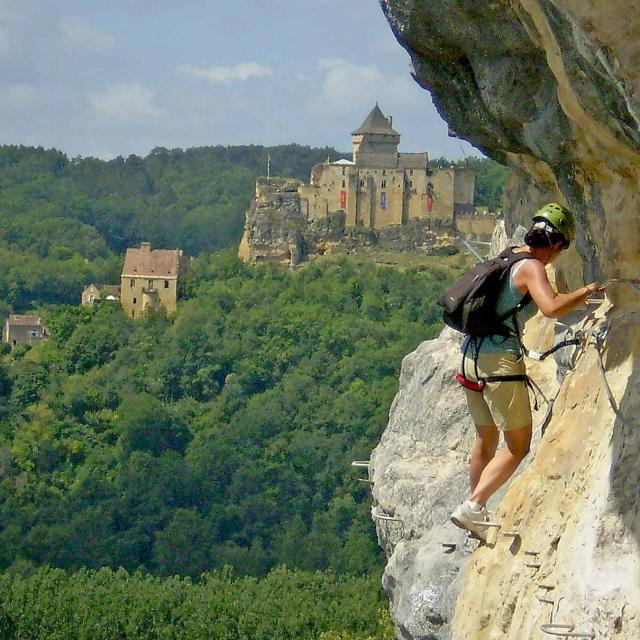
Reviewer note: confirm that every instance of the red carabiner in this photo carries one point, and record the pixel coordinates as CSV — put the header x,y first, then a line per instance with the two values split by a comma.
x,y
469,384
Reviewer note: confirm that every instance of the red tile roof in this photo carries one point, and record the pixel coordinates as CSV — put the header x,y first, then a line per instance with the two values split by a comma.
x,y
25,321
151,262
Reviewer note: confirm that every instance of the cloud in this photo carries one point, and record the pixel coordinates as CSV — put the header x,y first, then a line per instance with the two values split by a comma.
x,y
347,85
18,98
127,101
78,35
225,74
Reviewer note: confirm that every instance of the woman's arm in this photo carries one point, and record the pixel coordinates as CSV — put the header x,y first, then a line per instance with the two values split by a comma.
x,y
532,278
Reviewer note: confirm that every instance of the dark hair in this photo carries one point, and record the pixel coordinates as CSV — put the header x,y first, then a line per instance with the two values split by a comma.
x,y
538,238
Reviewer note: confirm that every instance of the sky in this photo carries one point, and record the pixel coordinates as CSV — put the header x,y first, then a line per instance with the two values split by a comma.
x,y
114,77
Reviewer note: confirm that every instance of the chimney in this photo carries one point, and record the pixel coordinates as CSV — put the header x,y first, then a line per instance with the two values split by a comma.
x,y
145,247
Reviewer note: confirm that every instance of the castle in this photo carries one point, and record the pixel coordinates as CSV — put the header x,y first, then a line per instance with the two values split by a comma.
x,y
382,187
380,196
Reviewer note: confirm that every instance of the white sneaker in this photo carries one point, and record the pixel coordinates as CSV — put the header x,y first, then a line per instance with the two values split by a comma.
x,y
466,518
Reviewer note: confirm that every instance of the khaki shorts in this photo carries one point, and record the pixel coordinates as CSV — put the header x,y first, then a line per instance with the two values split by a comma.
x,y
504,405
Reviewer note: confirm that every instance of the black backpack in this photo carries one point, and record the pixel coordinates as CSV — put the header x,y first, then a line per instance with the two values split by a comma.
x,y
470,304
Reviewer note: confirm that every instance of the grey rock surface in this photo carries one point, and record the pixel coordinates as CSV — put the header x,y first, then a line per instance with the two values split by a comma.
x,y
420,474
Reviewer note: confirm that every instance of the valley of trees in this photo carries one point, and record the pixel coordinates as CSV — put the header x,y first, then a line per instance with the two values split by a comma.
x,y
222,436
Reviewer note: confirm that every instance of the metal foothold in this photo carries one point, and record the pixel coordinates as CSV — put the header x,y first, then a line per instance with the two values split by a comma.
x,y
511,534
531,553
545,600
533,565
384,516
565,631
450,547
360,463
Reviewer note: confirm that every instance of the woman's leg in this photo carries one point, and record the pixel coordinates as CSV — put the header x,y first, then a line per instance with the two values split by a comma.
x,y
502,466
484,449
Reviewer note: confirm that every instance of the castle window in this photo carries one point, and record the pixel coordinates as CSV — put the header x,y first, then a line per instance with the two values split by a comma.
x,y
166,284
343,184
411,183
343,170
384,172
135,300
150,283
133,314
133,282
384,184
362,183
410,171
383,199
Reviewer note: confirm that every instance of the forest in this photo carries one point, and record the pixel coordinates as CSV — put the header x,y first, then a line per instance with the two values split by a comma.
x,y
189,476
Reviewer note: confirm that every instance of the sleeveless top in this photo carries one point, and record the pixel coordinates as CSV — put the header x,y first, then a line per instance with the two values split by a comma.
x,y
508,298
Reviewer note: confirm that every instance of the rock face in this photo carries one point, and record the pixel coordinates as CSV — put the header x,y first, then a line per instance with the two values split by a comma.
x,y
552,88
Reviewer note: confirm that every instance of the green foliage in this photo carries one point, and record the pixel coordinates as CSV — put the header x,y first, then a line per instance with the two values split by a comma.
x,y
105,605
221,436
66,223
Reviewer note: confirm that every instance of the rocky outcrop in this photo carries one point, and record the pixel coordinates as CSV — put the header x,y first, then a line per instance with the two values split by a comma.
x,y
277,230
551,88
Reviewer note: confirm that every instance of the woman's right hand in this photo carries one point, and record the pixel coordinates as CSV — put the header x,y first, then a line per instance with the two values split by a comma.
x,y
594,287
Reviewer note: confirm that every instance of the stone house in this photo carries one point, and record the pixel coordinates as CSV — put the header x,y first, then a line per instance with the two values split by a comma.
x,y
20,330
100,293
150,279
380,186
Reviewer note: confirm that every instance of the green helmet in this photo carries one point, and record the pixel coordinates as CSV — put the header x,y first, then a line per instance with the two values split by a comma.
x,y
559,217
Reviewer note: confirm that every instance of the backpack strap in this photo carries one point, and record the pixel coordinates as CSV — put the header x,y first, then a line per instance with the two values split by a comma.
x,y
511,259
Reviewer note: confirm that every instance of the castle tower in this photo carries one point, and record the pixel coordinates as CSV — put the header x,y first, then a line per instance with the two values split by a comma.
x,y
375,143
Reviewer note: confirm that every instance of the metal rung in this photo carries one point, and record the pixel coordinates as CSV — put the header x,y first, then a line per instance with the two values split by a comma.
x,y
360,463
495,525
449,546
546,587
545,600
532,565
565,631
531,553
364,480
384,516
510,534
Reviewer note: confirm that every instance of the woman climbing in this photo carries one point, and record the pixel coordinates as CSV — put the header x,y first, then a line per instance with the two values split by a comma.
x,y
504,405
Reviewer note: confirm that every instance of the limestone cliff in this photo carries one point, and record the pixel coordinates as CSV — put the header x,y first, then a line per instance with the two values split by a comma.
x,y
552,88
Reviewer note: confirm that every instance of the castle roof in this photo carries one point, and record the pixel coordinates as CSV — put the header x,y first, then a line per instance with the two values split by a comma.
x,y
343,161
151,262
375,122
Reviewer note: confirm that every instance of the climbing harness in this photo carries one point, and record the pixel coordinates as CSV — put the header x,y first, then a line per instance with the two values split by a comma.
x,y
579,339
